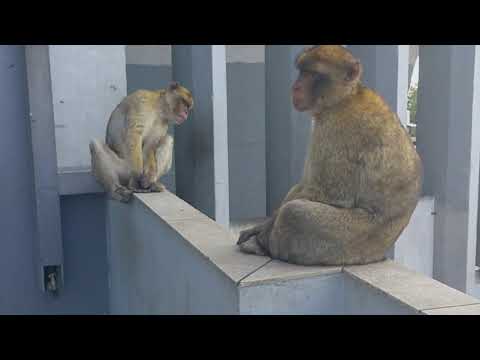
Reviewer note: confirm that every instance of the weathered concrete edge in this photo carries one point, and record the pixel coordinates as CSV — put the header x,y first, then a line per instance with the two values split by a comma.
x,y
279,280
422,311
245,282
205,255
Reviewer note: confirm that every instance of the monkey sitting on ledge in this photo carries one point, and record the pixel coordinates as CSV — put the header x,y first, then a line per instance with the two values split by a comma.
x,y
138,150
362,176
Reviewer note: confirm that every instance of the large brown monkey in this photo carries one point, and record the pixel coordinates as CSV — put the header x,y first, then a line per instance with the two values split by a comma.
x,y
362,176
138,150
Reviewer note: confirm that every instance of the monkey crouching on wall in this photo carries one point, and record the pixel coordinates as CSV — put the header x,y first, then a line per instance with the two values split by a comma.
x,y
362,175
138,150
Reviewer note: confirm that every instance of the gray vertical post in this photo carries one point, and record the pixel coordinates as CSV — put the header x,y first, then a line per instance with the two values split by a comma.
x,y
201,144
246,131
49,235
448,140
386,71
287,131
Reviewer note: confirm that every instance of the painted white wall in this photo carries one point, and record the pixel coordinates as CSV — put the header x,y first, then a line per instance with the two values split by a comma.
x,y
88,81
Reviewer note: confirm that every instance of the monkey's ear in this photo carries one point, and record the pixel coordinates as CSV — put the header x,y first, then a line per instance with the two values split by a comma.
x,y
354,71
173,85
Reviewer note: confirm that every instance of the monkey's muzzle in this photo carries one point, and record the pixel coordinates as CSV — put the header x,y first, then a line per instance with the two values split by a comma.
x,y
181,118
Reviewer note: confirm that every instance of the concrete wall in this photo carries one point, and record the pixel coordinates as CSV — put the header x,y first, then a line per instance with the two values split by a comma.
x,y
414,248
153,272
82,217
165,257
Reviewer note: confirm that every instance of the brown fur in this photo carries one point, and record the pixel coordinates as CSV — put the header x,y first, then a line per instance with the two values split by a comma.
x,y
137,149
362,176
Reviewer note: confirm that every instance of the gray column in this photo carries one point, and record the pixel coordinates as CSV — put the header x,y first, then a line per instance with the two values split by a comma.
x,y
48,244
448,140
246,131
201,144
386,71
287,131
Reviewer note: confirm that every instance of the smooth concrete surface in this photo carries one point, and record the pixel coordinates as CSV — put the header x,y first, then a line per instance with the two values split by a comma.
x,y
167,257
152,270
211,240
322,295
415,290
81,112
414,247
246,140
456,310
363,299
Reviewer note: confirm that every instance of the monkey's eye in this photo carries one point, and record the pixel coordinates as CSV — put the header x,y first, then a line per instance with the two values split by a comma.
x,y
319,77
305,74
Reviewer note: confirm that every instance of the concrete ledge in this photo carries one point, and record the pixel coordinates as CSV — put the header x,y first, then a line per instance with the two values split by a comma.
x,y
418,292
165,257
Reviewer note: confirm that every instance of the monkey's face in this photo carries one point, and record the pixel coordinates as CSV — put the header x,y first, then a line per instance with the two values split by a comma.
x,y
327,73
181,112
308,89
181,102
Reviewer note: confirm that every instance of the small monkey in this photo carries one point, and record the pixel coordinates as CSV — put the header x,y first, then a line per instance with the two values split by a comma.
x,y
137,150
362,175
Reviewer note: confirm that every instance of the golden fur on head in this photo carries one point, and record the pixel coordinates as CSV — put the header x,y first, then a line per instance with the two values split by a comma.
x,y
181,93
329,59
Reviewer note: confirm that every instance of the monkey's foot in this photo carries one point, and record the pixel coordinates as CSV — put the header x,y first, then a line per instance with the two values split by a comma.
x,y
136,185
157,187
246,235
251,247
121,193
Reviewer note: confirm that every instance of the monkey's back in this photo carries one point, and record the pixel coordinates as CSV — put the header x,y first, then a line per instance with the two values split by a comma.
x,y
361,156
139,102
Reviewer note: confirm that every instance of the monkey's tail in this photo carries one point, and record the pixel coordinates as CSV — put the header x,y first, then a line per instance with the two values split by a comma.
x,y
95,146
